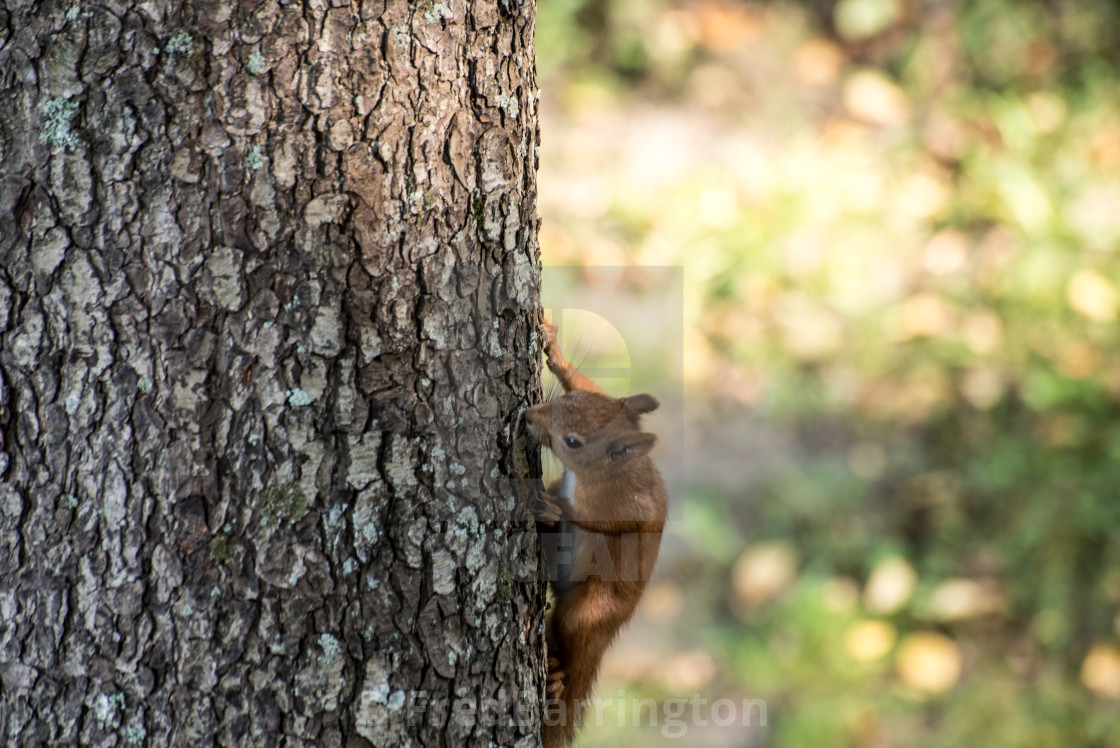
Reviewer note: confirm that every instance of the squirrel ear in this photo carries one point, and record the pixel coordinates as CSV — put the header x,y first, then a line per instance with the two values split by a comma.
x,y
635,444
642,403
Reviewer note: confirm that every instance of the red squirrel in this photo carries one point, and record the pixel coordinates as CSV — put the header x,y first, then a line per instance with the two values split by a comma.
x,y
608,510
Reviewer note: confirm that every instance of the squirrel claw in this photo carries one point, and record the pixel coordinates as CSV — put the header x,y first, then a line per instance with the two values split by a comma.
x,y
548,511
549,336
551,347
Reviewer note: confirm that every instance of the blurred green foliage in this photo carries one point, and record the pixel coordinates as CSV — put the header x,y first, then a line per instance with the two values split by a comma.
x,y
900,225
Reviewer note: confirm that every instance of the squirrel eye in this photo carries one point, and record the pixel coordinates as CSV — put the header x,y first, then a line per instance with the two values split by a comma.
x,y
572,443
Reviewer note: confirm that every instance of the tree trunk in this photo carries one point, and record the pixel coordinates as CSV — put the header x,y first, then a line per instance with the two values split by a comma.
x,y
268,308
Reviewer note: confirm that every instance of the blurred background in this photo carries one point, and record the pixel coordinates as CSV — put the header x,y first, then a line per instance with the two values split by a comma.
x,y
899,223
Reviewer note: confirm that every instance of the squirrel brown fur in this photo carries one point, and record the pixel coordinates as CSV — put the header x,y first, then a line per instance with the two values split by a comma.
x,y
601,525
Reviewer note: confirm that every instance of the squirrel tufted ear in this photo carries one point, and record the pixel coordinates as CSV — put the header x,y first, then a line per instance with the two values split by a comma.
x,y
634,444
642,403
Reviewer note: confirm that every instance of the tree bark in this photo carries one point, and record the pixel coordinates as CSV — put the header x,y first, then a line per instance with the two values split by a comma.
x,y
268,311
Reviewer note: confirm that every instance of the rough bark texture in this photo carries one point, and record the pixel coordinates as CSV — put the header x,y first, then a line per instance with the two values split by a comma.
x,y
268,302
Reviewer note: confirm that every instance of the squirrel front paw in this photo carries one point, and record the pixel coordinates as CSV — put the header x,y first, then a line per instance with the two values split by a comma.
x,y
549,509
549,336
551,347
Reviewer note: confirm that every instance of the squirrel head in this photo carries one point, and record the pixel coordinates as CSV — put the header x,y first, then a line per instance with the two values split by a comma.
x,y
589,430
